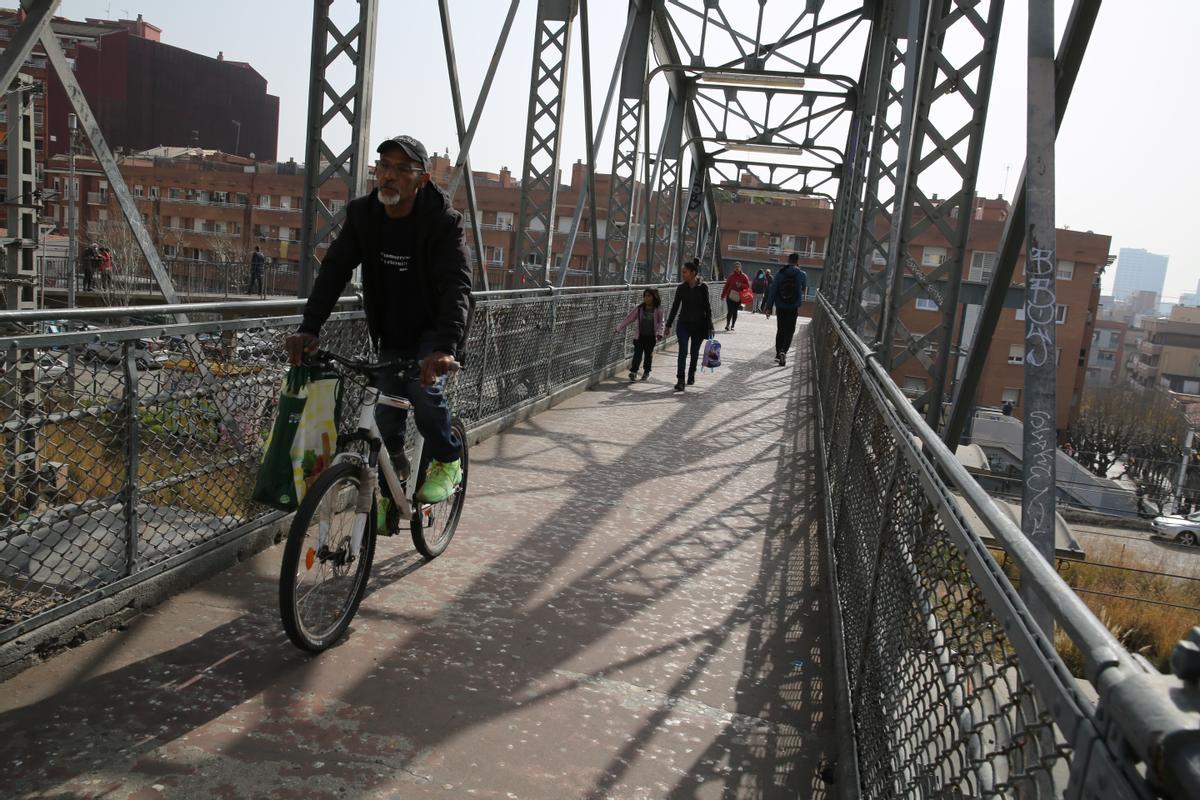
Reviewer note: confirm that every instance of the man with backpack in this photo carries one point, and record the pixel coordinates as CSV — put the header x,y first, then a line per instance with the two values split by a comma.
x,y
785,296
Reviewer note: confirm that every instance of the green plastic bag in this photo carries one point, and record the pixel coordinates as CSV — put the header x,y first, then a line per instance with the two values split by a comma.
x,y
303,439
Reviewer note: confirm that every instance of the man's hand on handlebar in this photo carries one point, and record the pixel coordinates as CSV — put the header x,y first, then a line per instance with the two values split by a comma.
x,y
435,365
298,345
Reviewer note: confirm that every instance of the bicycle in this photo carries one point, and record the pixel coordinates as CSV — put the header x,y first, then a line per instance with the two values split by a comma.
x,y
332,536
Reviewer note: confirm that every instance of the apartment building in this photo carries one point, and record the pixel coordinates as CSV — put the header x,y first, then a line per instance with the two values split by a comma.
x,y
1106,357
1169,357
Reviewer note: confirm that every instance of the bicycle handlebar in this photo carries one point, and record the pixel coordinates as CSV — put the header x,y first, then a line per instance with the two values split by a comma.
x,y
410,366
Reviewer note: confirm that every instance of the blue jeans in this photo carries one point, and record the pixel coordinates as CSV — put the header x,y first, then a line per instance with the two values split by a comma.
x,y
690,340
430,409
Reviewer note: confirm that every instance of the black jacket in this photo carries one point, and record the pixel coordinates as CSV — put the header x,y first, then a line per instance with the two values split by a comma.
x,y
442,265
694,307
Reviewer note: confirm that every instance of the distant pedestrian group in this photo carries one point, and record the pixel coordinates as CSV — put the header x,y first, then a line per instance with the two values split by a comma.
x,y
691,316
97,265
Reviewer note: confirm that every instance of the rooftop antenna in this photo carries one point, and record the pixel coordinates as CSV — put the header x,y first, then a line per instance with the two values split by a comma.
x,y
1007,169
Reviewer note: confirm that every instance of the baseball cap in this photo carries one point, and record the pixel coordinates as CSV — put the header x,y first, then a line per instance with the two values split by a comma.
x,y
411,147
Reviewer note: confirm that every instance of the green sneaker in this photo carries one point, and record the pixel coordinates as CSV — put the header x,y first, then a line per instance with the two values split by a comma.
x,y
440,481
382,506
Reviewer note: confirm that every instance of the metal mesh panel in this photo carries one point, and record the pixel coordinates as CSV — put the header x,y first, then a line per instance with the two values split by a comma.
x,y
189,424
950,694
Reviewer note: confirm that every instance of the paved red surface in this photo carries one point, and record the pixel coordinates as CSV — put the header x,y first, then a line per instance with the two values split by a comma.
x,y
634,607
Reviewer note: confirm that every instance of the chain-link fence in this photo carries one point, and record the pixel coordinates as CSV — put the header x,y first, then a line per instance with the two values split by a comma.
x,y
198,280
953,690
125,450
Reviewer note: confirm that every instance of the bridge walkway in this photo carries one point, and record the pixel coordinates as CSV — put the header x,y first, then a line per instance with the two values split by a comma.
x,y
635,606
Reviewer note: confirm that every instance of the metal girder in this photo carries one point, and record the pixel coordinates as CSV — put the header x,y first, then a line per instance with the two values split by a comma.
x,y
623,179
1070,56
588,195
19,272
465,140
543,136
331,46
662,199
842,256
90,127
464,162
1039,450
945,81
38,14
889,143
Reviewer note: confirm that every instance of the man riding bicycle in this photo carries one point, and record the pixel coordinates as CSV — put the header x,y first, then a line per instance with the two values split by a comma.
x,y
416,280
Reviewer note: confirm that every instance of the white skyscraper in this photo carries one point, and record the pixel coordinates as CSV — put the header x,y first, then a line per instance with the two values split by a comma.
x,y
1139,271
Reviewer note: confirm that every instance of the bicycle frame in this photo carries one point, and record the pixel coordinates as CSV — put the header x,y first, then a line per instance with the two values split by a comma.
x,y
379,461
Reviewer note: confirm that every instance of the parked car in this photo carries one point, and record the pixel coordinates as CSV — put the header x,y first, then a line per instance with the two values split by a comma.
x,y
1181,529
111,352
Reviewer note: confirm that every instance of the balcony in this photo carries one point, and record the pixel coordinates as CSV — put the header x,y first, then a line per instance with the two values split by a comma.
x,y
1144,370
1146,347
97,198
772,252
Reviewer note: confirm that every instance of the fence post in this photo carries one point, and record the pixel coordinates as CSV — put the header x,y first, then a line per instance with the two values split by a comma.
x,y
132,432
553,338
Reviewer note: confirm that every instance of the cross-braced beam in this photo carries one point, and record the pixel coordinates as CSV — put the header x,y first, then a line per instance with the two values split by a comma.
x,y
543,138
330,110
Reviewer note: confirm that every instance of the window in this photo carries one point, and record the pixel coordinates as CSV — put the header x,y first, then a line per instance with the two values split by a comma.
x,y
335,205
175,193
564,224
242,198
153,192
138,192
497,256
504,220
1060,314
264,201
170,250
601,229
1016,354
1010,395
925,304
932,256
285,201
219,197
982,264
747,239
1066,270
285,234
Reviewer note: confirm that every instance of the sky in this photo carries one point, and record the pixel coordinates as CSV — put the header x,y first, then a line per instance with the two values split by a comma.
x,y
1126,162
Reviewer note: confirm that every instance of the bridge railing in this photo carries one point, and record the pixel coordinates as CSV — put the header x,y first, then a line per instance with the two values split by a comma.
x,y
127,451
952,689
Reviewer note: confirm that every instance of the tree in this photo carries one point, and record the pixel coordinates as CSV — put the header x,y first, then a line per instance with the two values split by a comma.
x,y
131,273
1147,428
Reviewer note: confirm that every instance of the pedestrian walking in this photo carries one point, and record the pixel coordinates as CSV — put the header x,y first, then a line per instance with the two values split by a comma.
x,y
649,317
770,280
106,268
785,296
759,287
731,293
694,310
257,263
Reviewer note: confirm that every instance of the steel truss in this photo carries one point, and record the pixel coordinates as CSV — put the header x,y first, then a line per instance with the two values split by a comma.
x,y
330,108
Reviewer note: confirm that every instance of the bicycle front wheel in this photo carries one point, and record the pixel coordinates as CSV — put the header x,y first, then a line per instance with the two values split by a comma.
x,y
321,580
433,524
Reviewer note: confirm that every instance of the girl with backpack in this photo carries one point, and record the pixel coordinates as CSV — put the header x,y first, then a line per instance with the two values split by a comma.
x,y
649,318
695,320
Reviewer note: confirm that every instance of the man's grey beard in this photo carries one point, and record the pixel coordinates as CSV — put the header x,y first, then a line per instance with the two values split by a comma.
x,y
391,198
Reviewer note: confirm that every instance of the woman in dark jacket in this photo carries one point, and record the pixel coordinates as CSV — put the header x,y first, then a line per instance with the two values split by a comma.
x,y
694,309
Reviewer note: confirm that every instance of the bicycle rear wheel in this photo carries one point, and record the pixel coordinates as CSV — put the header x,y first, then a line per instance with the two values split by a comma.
x,y
433,524
321,582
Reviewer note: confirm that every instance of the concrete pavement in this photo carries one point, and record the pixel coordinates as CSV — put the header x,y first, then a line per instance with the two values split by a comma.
x,y
634,607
